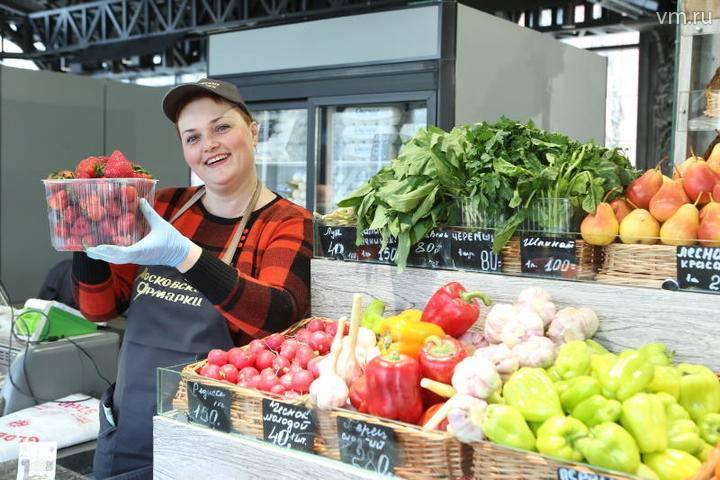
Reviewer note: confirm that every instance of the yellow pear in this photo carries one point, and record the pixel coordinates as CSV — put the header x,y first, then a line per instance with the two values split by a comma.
x,y
713,160
600,228
679,170
709,229
682,227
639,227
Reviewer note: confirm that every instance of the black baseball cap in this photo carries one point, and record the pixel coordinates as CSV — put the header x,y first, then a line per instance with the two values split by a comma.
x,y
175,97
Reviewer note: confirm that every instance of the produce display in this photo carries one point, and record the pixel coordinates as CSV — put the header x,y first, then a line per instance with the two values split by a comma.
x,y
98,203
683,210
505,173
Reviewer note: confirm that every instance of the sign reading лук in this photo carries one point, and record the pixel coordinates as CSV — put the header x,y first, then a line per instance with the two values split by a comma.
x,y
698,268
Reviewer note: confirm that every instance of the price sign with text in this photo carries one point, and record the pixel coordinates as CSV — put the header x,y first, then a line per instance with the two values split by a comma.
x,y
288,426
209,406
472,250
337,242
548,256
698,268
432,251
566,473
367,445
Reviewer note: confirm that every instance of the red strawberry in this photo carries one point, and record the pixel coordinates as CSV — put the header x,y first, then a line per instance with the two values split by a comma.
x,y
74,243
81,227
58,200
106,228
125,223
61,230
128,194
95,212
89,240
70,214
122,240
113,208
118,166
91,167
140,172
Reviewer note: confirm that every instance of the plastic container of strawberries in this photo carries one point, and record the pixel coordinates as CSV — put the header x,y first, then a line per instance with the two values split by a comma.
x,y
88,212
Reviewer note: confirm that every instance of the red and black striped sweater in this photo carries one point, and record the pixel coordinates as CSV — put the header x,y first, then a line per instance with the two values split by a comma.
x,y
265,289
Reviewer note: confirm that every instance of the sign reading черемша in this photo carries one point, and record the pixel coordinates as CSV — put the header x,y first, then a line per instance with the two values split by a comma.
x,y
698,268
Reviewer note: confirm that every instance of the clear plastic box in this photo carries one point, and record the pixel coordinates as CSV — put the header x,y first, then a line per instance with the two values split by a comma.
x,y
88,212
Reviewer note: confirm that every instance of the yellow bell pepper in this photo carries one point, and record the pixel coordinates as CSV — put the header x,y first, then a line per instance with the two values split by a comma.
x,y
405,333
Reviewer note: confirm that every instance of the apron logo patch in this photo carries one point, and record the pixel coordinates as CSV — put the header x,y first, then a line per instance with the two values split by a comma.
x,y
146,286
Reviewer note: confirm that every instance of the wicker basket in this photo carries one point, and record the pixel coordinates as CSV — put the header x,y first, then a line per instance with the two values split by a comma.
x,y
637,265
588,259
420,454
712,108
246,406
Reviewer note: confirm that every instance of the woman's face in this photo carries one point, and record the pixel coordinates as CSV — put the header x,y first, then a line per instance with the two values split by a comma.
x,y
218,143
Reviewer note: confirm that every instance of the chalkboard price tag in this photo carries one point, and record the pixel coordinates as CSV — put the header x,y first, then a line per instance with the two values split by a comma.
x,y
548,256
472,250
698,268
337,242
288,426
432,251
367,445
209,406
566,473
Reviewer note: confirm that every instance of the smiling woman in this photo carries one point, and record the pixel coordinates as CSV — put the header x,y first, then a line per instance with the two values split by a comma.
x,y
223,263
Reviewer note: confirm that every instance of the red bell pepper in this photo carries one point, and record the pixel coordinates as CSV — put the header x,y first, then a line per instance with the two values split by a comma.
x,y
393,387
454,309
439,356
358,394
429,414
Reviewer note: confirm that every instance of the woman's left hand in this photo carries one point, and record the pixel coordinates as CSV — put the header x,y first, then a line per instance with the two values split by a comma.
x,y
164,245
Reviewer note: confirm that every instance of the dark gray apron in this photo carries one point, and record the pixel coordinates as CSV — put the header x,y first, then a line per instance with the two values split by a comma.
x,y
169,323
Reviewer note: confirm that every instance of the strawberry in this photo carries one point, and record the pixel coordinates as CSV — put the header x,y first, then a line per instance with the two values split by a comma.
x,y
91,167
58,200
74,243
122,240
89,240
118,166
95,212
80,228
106,228
113,208
70,214
128,194
61,230
140,172
126,223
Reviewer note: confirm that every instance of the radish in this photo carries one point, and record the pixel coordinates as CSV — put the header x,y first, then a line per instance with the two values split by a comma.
x,y
287,381
331,329
316,325
304,355
320,341
254,381
229,372
294,368
301,381
210,370
289,348
267,382
247,372
313,364
274,341
303,335
241,357
291,395
257,346
217,357
243,383
264,359
277,389
281,364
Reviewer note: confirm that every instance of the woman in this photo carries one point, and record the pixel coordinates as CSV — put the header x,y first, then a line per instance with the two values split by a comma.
x,y
222,264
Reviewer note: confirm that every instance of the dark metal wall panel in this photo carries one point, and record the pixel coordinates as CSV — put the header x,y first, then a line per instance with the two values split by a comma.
x,y
136,125
49,121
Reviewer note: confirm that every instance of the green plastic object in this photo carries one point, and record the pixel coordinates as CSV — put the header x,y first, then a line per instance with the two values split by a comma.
x,y
65,324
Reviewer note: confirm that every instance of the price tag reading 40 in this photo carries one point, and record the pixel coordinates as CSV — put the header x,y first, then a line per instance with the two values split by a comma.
x,y
548,256
367,446
209,406
698,268
289,426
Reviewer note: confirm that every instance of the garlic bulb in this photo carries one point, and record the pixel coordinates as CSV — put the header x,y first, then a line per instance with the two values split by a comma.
x,y
477,377
505,361
573,324
535,352
540,301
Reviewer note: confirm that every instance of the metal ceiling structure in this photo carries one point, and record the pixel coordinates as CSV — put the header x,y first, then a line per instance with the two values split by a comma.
x,y
147,36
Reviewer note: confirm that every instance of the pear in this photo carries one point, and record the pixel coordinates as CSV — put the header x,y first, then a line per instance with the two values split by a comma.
x,y
713,159
621,208
600,228
679,170
699,181
668,199
709,229
642,189
716,191
682,227
639,227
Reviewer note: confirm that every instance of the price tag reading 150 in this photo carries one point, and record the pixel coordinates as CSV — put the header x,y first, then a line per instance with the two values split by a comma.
x,y
209,406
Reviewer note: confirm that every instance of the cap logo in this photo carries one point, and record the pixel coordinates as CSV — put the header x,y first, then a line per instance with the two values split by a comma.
x,y
209,84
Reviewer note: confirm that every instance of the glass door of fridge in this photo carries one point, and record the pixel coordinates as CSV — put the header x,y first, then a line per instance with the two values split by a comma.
x,y
355,140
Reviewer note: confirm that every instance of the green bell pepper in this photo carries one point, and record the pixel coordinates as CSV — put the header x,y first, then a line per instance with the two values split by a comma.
x,y
373,316
646,472
672,464
630,374
656,353
576,390
643,415
557,436
699,390
684,435
595,347
610,446
573,360
553,374
505,425
531,391
600,365
710,428
596,410
704,452
673,410
665,379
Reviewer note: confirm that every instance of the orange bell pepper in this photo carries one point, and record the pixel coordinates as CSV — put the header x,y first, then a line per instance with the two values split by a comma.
x,y
405,333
